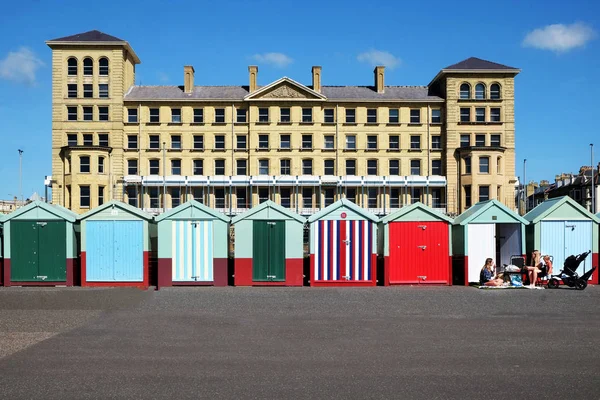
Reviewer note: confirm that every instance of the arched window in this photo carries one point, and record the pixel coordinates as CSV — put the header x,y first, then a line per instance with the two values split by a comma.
x,y
495,91
88,67
103,66
480,91
72,66
465,91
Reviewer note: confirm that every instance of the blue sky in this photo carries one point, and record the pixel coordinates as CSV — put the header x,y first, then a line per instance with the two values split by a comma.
x,y
556,92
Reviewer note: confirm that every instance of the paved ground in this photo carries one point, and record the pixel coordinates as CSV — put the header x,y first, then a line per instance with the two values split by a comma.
x,y
278,343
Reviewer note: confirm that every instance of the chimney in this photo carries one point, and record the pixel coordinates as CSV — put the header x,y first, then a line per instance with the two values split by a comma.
x,y
379,73
316,78
252,71
188,79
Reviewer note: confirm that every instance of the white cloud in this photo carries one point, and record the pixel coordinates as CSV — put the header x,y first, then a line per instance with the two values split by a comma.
x,y
379,57
559,37
20,66
278,60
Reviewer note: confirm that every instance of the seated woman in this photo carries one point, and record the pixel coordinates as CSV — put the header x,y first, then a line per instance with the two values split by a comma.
x,y
487,277
534,268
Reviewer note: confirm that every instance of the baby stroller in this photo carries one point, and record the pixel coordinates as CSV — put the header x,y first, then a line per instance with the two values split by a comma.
x,y
569,276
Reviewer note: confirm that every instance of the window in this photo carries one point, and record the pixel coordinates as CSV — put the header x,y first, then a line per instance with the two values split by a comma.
x,y
371,116
103,113
465,140
480,91
415,167
329,116
284,115
480,114
307,197
371,142
100,165
88,113
175,167
103,67
84,164
132,167
219,115
307,167
436,197
328,141
436,167
263,141
154,167
263,167
71,66
263,115
88,67
198,115
372,198
371,167
329,196
468,196
103,139
285,196
495,114
240,116
350,116
495,140
72,113
394,142
154,141
395,198
495,91
132,115
154,115
436,116
88,90
198,194
415,116
394,167
263,195
84,196
198,167
72,90
198,142
219,167
394,116
103,90
351,194
467,165
484,165
284,142
351,142
465,114
132,142
415,195
241,167
436,142
484,193
71,139
132,196
88,139
175,197
220,198
306,142
154,197
307,115
176,115
241,142
499,166
350,167
328,167
465,91
479,140
415,142
240,195
284,167
176,142
219,142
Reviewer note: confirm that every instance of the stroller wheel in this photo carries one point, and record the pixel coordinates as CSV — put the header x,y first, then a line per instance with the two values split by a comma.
x,y
581,284
553,284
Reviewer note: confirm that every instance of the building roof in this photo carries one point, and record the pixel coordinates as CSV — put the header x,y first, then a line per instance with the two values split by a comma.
x,y
477,63
90,36
339,204
268,204
58,211
548,206
476,210
117,204
416,206
188,205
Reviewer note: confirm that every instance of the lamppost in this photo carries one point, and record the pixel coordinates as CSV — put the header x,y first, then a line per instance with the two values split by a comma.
x,y
593,207
524,186
21,175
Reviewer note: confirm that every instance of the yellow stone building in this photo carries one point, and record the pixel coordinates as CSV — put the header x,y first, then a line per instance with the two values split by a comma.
x,y
448,144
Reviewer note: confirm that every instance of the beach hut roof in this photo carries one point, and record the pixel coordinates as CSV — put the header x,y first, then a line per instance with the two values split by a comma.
x,y
191,204
548,206
343,203
268,204
60,212
476,210
411,208
117,204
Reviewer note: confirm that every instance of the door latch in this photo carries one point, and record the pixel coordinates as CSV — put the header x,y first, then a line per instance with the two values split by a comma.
x,y
346,277
42,224
42,277
271,276
422,247
422,227
271,223
346,242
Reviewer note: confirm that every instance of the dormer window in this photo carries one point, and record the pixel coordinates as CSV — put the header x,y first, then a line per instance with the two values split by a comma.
x,y
465,91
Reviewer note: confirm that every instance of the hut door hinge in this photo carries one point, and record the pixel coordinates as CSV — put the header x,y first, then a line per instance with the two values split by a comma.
x,y
422,227
42,277
42,224
422,247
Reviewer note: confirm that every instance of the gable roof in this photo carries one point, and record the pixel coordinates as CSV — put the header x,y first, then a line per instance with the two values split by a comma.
x,y
479,208
416,206
117,204
268,204
59,212
472,63
548,206
285,79
339,204
90,36
191,204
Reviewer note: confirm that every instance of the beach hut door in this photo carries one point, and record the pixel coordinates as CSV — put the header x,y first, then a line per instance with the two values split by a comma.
x,y
268,251
192,251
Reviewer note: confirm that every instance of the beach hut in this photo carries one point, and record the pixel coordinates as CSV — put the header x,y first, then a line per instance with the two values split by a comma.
x,y
268,246
115,245
1,249
192,246
343,246
416,245
560,227
39,246
487,229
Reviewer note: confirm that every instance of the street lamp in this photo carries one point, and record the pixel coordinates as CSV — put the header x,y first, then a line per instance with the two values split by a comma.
x,y
524,186
593,207
21,175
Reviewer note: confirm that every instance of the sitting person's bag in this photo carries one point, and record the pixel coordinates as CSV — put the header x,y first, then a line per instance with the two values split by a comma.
x,y
512,268
516,280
